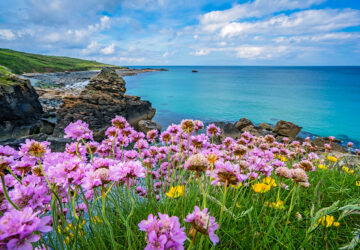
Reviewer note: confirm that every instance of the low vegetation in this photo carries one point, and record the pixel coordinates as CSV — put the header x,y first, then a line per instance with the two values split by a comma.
x,y
178,189
21,62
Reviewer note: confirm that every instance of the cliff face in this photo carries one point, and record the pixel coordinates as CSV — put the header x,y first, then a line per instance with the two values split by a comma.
x,y
19,105
101,100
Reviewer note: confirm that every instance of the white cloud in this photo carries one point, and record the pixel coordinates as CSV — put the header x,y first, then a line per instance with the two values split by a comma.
x,y
257,8
7,34
108,50
249,51
309,21
166,54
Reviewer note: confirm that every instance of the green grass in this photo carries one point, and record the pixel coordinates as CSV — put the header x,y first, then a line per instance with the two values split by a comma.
x,y
21,62
5,77
247,222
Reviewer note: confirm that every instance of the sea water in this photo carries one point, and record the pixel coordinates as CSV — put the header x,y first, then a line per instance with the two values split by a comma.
x,y
323,100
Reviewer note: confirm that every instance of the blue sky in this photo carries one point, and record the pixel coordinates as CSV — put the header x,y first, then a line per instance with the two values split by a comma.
x,y
186,32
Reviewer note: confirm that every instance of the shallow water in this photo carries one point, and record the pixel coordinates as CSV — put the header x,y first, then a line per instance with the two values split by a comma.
x,y
323,100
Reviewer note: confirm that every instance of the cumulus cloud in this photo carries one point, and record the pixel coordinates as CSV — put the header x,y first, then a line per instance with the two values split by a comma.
x,y
109,49
7,34
309,21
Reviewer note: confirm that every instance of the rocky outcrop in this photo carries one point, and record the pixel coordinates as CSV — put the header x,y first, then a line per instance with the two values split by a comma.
x,y
243,123
288,129
20,109
101,100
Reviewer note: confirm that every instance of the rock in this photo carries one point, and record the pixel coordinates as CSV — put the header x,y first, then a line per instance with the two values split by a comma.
x,y
320,141
242,123
227,130
146,125
15,142
251,129
57,144
19,108
101,100
194,71
287,129
47,127
265,126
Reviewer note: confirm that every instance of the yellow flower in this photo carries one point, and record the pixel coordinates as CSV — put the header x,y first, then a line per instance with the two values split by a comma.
x,y
357,183
175,192
269,181
283,159
332,158
261,187
321,166
347,170
328,221
96,220
236,187
277,204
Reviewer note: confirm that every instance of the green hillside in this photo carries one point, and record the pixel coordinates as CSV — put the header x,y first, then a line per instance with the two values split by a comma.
x,y
21,62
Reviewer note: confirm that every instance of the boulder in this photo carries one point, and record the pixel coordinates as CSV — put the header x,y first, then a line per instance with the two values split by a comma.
x,y
242,123
287,129
265,126
227,130
146,125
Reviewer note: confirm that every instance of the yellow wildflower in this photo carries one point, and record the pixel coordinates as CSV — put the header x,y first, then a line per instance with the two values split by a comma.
x,y
269,181
328,221
96,220
332,158
321,166
347,170
277,204
357,183
175,192
261,187
236,187
283,159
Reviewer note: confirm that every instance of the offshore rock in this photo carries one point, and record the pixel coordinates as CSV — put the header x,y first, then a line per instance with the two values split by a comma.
x,y
101,100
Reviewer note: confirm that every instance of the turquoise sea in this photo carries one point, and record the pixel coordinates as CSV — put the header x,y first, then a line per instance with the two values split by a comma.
x,y
323,100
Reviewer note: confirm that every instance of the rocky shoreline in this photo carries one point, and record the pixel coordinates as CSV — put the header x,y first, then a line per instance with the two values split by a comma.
x,y
26,114
43,113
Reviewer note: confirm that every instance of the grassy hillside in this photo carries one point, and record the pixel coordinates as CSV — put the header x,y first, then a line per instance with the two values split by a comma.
x,y
21,62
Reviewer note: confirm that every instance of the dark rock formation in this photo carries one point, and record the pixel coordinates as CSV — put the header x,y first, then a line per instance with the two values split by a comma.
x,y
194,71
101,100
20,108
227,130
287,129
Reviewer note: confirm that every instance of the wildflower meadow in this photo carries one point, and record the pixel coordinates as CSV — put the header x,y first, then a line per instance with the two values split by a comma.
x,y
177,190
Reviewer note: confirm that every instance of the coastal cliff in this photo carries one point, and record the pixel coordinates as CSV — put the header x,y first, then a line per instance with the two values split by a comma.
x,y
19,106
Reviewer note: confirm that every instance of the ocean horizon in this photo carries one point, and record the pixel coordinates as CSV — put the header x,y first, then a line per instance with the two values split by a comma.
x,y
324,100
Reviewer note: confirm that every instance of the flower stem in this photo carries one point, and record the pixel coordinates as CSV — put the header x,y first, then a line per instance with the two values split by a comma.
x,y
193,240
6,193
104,216
224,200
